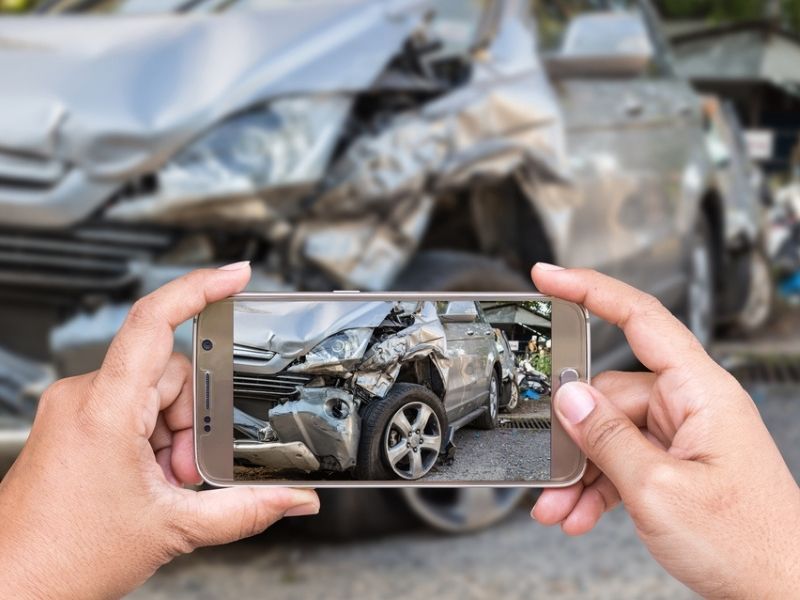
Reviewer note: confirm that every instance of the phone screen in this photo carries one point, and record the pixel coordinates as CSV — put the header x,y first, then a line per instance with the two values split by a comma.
x,y
383,390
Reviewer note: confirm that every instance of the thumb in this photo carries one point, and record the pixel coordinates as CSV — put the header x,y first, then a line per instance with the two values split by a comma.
x,y
606,435
227,515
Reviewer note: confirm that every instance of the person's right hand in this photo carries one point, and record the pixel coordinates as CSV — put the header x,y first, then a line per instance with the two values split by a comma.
x,y
683,447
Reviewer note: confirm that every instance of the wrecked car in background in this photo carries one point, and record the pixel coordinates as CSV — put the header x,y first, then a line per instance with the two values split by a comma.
x,y
377,388
398,144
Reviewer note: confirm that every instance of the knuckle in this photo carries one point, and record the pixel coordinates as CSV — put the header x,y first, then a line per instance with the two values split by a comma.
x,y
649,306
183,531
253,518
605,380
140,311
53,396
89,416
660,479
602,436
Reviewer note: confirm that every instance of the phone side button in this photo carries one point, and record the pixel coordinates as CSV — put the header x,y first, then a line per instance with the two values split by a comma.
x,y
569,376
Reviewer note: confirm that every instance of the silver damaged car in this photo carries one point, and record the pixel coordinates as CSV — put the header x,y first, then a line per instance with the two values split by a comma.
x,y
375,387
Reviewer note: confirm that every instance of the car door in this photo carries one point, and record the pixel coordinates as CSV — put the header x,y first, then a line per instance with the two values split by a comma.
x,y
462,331
484,355
617,196
678,149
457,347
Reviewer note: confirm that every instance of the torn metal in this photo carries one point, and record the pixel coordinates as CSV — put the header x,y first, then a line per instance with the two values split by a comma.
x,y
424,338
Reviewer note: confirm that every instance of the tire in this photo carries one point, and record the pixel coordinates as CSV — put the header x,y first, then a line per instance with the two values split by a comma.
x,y
488,420
451,271
510,397
701,289
460,510
463,510
759,304
384,427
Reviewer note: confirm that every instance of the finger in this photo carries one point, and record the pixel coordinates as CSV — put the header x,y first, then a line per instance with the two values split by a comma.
x,y
164,460
554,505
630,392
161,437
648,326
178,405
222,516
140,351
597,499
607,436
183,459
587,513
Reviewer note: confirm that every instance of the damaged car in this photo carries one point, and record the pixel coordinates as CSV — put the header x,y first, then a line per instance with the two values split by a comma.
x,y
374,388
342,144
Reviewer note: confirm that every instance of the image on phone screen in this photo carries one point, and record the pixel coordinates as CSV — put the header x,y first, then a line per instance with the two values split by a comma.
x,y
392,390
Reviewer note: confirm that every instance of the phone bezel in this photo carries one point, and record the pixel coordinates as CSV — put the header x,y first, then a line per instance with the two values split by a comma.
x,y
214,449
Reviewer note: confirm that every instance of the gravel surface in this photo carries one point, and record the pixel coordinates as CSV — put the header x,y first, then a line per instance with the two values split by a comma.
x,y
498,455
516,559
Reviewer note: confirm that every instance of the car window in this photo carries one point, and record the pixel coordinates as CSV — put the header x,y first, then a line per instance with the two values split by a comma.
x,y
481,317
455,25
553,18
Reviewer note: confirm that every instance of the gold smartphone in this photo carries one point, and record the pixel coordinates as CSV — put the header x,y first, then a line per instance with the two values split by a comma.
x,y
380,390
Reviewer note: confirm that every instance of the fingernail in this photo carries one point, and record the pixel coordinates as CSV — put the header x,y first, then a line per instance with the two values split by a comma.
x,y
302,510
575,402
236,266
548,267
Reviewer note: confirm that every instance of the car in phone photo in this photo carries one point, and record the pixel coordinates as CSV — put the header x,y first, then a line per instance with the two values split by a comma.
x,y
378,388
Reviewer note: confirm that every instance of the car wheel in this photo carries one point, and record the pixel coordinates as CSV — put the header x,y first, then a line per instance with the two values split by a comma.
x,y
461,510
401,434
700,296
512,399
488,420
760,296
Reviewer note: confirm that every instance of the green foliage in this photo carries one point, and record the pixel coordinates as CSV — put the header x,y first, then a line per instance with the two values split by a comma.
x,y
539,307
543,363
15,6
721,11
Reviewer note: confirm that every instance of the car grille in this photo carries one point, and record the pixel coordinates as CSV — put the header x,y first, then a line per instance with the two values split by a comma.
x,y
89,259
25,172
279,387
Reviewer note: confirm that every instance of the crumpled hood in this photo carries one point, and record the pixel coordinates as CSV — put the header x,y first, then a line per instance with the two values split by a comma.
x,y
296,327
118,95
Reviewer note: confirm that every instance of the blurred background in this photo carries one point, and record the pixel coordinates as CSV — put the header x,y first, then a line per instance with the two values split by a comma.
x,y
403,145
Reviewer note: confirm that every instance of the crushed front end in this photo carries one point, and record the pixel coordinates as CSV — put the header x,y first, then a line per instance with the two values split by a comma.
x,y
306,415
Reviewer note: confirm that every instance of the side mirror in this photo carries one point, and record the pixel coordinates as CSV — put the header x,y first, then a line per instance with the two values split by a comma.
x,y
460,312
603,45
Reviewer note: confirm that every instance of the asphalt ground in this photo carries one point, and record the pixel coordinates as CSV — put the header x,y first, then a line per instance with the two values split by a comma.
x,y
515,559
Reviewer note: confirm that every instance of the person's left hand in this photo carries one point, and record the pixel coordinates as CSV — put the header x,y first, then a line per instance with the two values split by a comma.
x,y
95,502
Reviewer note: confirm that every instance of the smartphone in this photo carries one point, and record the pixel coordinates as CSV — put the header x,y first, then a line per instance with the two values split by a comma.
x,y
381,390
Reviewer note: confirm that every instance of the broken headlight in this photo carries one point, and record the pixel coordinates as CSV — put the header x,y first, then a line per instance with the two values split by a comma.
x,y
288,141
347,345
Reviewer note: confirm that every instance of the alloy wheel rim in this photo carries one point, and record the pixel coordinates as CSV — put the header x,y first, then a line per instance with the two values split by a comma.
x,y
512,403
493,399
413,440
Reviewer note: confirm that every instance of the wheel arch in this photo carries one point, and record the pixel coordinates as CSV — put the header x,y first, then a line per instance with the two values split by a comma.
x,y
493,218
